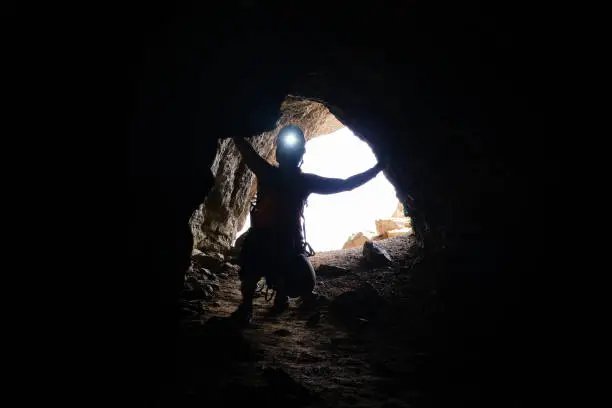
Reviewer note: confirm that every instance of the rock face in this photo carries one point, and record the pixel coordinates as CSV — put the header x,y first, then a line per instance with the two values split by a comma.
x,y
356,240
397,224
230,269
210,261
383,226
215,222
331,270
448,110
364,303
203,274
198,284
375,255
399,231
399,211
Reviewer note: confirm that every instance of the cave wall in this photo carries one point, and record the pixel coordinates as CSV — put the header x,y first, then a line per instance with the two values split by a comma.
x,y
215,222
435,88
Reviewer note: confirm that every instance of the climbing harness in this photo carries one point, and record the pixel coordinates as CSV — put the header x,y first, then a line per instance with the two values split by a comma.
x,y
306,246
260,285
264,284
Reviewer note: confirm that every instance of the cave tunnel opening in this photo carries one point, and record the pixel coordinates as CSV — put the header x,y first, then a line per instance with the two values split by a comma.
x,y
354,295
437,93
371,212
357,289
348,219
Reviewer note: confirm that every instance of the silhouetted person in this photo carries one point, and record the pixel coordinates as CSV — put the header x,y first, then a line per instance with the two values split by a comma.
x,y
275,247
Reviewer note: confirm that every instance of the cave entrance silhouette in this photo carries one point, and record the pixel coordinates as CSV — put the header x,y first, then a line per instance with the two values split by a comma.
x,y
334,220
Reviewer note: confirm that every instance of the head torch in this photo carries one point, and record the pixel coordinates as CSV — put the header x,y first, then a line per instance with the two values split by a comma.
x,y
290,137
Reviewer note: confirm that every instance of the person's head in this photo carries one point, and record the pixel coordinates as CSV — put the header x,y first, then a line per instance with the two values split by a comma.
x,y
290,146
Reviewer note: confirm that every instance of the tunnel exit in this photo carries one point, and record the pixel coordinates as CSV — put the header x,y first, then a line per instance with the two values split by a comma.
x,y
332,221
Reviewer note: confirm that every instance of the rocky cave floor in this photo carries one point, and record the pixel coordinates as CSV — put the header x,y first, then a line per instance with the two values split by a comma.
x,y
364,346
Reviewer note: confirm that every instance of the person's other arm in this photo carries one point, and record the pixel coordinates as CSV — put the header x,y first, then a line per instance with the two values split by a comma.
x,y
324,185
252,159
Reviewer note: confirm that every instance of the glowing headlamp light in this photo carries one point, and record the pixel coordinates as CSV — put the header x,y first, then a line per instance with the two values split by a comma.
x,y
289,139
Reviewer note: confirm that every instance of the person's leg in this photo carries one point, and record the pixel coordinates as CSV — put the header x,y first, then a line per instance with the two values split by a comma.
x,y
276,277
301,277
281,300
305,281
247,288
249,276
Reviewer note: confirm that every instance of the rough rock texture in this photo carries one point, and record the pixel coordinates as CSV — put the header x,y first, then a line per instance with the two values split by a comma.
x,y
376,255
350,351
202,276
399,231
387,224
215,223
356,240
198,284
206,260
383,226
330,270
444,91
399,211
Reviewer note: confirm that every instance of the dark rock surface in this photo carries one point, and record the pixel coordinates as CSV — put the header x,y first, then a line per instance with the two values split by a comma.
x,y
437,89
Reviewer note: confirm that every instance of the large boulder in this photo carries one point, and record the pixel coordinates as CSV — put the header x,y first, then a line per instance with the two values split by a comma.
x,y
375,255
211,261
331,270
197,285
399,231
357,240
359,305
399,211
385,225
230,270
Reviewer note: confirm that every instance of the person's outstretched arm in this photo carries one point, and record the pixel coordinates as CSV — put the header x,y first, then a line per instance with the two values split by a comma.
x,y
324,185
253,160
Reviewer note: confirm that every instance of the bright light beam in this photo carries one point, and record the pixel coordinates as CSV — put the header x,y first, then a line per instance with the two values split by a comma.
x,y
289,139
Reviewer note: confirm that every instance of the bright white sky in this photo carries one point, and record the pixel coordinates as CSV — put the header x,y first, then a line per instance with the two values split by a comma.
x,y
331,219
